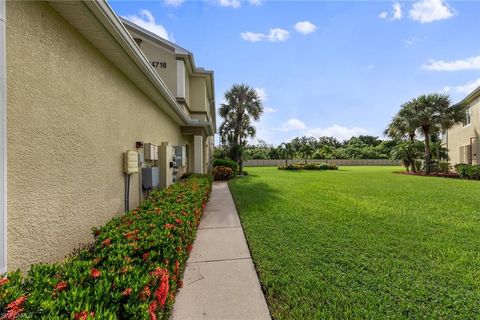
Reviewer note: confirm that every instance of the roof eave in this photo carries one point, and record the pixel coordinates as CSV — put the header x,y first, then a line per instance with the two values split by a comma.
x,y
470,97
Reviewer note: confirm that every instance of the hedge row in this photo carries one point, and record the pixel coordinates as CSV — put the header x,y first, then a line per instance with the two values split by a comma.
x,y
468,171
131,271
310,166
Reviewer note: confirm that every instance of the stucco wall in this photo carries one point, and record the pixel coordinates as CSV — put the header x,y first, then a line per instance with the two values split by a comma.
x,y
157,53
198,92
71,115
460,135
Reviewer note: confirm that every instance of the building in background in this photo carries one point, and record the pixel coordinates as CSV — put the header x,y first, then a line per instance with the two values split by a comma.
x,y
462,141
193,87
96,119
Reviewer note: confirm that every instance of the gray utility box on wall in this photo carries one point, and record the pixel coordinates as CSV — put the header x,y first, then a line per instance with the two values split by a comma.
x,y
150,177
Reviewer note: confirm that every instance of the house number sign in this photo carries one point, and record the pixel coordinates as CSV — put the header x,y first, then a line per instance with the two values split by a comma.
x,y
158,64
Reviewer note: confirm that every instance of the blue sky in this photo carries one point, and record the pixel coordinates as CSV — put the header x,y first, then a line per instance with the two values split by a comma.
x,y
336,68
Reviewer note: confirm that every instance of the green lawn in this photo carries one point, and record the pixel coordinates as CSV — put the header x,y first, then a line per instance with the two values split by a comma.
x,y
363,243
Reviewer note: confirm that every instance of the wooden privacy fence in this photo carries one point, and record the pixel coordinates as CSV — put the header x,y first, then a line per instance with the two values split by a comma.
x,y
338,162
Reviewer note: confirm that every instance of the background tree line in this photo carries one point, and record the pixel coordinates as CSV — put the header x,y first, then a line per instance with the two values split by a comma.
x,y
360,147
426,116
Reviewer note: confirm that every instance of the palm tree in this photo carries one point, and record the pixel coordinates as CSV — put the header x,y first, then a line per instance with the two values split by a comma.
x,y
433,114
428,114
407,152
286,151
242,105
307,151
404,125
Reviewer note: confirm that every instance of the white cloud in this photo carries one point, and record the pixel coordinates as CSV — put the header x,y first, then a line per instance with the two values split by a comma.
x,y
146,20
269,110
337,131
395,14
305,27
275,35
278,34
262,94
252,36
383,15
173,3
427,11
397,11
232,3
255,2
371,67
294,124
465,89
229,3
471,63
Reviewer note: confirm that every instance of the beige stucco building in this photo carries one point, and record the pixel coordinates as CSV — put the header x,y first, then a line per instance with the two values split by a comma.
x,y
462,141
78,91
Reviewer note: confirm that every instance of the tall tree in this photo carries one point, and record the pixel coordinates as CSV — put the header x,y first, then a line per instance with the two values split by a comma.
x,y
429,114
307,151
404,125
242,106
287,151
435,114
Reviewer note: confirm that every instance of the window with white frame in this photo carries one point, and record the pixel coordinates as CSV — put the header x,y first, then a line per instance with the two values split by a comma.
x,y
468,118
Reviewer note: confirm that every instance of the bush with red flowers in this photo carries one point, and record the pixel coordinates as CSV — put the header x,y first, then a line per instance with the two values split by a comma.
x,y
221,173
131,271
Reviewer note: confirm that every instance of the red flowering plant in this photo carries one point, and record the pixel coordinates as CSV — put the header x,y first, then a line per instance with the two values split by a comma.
x,y
131,271
221,173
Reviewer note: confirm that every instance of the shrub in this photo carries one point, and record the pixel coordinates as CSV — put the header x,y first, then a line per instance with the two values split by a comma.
x,y
468,171
226,163
418,165
310,166
131,271
291,167
443,167
222,173
320,166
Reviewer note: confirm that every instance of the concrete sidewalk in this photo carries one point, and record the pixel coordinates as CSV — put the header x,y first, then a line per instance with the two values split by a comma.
x,y
220,281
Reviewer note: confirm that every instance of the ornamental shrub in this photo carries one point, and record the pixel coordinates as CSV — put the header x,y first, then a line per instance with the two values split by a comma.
x,y
310,166
226,163
468,171
292,167
443,167
221,173
131,271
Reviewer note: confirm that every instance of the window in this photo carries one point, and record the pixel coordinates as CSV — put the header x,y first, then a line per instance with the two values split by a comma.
x,y
468,119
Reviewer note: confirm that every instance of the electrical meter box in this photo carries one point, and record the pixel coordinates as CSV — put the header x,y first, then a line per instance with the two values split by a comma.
x,y
180,156
150,151
150,177
130,162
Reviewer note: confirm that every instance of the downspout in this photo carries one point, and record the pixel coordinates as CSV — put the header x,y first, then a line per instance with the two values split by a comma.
x,y
3,138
